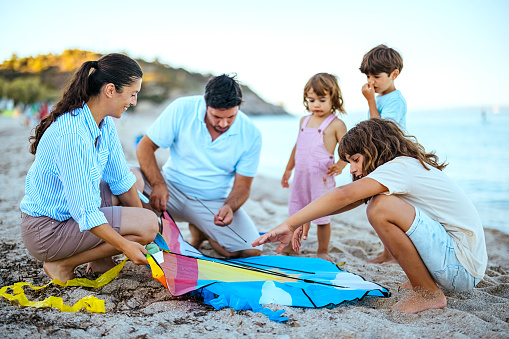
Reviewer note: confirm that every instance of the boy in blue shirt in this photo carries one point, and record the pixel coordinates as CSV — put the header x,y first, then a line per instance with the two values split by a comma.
x,y
382,65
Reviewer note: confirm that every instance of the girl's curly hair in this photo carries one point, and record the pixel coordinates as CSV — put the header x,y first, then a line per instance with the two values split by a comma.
x,y
380,141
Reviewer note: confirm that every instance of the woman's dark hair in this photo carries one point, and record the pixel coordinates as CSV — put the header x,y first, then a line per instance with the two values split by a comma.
x,y
223,92
117,69
380,141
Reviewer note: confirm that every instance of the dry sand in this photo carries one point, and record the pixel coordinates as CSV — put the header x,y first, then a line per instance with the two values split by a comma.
x,y
138,306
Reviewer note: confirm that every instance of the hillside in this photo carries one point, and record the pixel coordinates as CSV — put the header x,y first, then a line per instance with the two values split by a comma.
x,y
161,83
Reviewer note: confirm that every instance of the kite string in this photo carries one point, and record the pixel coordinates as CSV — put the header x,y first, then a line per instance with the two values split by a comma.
x,y
231,229
201,202
145,200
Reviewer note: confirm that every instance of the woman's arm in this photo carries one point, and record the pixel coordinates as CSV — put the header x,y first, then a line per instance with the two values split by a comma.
x,y
133,250
130,198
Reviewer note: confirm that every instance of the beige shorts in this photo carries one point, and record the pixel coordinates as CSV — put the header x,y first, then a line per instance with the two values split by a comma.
x,y
48,239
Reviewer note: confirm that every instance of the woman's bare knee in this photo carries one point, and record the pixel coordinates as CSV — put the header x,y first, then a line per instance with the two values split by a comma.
x,y
139,222
151,226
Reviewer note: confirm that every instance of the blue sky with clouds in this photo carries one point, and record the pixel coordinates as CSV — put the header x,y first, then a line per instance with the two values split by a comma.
x,y
456,53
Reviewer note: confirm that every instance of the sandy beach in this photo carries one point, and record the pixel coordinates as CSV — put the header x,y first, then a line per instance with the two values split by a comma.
x,y
139,306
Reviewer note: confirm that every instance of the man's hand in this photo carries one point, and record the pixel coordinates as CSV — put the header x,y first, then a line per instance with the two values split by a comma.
x,y
159,197
368,90
282,233
224,216
286,177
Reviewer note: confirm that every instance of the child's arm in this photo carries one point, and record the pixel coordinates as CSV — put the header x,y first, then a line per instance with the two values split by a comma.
x,y
369,93
288,171
291,163
340,131
337,168
338,200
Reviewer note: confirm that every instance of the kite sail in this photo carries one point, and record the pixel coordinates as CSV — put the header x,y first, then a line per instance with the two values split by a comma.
x,y
247,284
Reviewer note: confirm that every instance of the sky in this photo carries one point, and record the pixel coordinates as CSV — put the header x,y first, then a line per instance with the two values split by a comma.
x,y
455,53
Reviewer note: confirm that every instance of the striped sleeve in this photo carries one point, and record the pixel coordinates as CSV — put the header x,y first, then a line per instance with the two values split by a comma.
x,y
80,179
116,171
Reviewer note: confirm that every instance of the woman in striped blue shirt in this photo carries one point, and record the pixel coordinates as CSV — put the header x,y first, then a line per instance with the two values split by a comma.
x,y
70,212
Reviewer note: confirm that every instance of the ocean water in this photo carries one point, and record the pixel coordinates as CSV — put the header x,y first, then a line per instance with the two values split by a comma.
x,y
473,142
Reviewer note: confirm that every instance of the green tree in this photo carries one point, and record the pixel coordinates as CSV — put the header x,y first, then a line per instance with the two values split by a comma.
x,y
25,90
3,85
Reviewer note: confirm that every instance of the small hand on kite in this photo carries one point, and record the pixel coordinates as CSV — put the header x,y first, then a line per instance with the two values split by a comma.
x,y
282,233
301,233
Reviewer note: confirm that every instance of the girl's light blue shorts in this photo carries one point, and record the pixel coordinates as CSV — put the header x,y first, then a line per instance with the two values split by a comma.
x,y
436,248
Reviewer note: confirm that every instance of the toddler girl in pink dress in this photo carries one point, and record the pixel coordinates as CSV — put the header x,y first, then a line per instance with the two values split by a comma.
x,y
313,155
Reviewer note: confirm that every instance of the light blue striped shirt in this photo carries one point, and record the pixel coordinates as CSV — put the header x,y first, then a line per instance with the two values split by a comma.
x,y
64,179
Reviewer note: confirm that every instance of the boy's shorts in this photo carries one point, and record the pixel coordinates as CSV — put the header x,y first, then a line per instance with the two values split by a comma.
x,y
436,248
48,239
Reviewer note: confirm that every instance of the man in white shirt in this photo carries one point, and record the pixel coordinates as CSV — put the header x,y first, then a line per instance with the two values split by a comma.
x,y
215,151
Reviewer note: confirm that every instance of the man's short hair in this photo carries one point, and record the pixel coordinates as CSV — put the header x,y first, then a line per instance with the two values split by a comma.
x,y
381,59
223,92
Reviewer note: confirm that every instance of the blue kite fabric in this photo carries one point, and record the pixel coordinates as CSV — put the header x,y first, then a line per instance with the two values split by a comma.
x,y
247,284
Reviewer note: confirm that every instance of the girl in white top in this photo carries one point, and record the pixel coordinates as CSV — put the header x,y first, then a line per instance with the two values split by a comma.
x,y
423,218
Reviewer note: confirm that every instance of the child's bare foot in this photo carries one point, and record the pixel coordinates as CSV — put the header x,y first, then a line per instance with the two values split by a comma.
x,y
324,256
419,299
197,236
407,285
100,266
289,250
384,258
55,270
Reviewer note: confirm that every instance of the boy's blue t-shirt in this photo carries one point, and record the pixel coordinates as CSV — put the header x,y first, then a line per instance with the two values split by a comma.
x,y
392,106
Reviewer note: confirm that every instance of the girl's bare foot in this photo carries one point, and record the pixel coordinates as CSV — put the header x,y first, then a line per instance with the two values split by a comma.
x,y
100,266
384,258
324,256
406,285
419,299
55,270
289,250
197,236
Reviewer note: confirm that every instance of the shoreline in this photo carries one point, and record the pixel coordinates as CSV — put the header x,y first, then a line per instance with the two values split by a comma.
x,y
138,305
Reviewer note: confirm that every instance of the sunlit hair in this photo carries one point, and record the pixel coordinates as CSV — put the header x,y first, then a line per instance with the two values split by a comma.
x,y
117,69
380,141
223,92
323,84
381,59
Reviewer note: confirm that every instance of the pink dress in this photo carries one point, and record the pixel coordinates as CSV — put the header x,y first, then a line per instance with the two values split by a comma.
x,y
310,180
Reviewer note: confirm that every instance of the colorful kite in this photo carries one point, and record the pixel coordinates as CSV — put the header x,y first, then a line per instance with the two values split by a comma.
x,y
247,284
